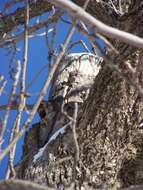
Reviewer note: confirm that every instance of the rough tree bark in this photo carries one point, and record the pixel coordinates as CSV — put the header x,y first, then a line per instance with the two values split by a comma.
x,y
109,137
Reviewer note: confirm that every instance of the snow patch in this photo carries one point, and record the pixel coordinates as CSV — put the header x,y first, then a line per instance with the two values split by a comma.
x,y
141,125
80,54
53,137
59,131
39,154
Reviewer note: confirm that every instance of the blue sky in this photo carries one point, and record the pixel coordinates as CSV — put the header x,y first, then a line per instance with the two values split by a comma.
x,y
37,58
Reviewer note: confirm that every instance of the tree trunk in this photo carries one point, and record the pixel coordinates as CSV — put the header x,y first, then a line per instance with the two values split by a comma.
x,y
108,126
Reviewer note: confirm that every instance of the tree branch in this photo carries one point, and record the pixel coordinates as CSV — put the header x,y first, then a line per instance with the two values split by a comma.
x,y
11,97
3,84
21,184
9,22
97,26
32,29
41,94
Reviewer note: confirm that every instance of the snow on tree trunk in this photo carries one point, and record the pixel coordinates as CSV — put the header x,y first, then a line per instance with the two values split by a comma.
x,y
108,125
109,138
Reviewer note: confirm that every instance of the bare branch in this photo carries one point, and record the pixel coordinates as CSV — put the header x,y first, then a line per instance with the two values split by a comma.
x,y
77,43
32,29
15,129
97,26
26,185
22,184
50,44
4,82
41,94
76,158
15,106
11,97
36,77
113,66
77,90
9,22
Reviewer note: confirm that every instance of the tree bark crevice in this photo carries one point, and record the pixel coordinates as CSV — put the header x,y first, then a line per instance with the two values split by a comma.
x,y
108,125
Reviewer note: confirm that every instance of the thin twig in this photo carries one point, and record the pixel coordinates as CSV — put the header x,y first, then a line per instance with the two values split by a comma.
x,y
11,98
78,89
4,82
76,146
79,42
113,66
65,113
120,7
30,106
31,30
1,78
74,134
15,129
76,158
106,41
36,76
114,8
97,26
65,21
15,106
51,44
86,4
108,44
41,94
